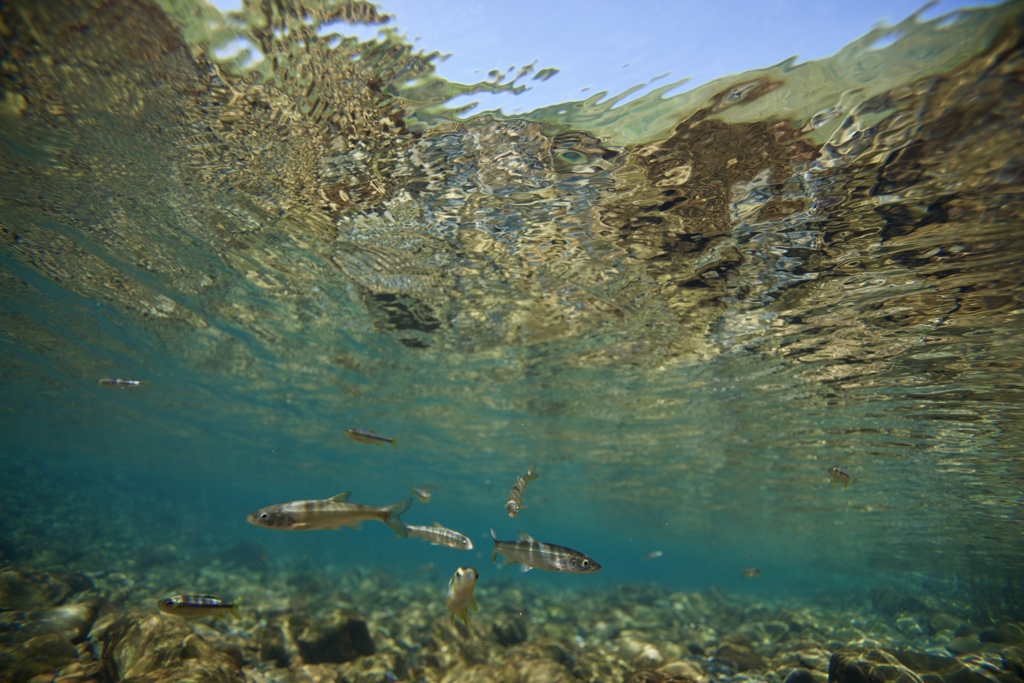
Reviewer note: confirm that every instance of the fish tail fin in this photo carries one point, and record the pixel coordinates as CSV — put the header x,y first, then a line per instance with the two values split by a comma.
x,y
472,604
494,553
395,513
531,473
451,618
464,615
234,610
394,442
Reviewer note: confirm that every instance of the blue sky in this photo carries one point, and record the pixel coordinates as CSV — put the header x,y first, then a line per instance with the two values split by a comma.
x,y
600,45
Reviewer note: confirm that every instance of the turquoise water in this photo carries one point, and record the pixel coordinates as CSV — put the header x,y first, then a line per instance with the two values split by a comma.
x,y
683,310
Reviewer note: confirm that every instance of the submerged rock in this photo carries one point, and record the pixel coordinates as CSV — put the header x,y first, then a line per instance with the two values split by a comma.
x,y
383,667
71,622
481,673
872,666
34,643
28,589
340,636
741,656
946,669
132,645
964,644
684,671
1005,632
941,621
800,676
314,673
508,629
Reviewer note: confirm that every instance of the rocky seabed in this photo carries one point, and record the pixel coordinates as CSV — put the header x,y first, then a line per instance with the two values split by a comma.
x,y
368,627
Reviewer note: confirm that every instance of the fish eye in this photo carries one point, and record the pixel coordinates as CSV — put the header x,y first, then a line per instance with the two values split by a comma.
x,y
585,563
264,516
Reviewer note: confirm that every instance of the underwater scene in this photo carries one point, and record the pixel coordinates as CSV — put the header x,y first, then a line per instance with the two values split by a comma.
x,y
315,367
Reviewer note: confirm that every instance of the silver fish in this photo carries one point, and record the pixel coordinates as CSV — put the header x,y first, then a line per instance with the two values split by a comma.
x,y
531,553
122,383
837,475
368,436
515,496
331,513
439,535
459,597
197,606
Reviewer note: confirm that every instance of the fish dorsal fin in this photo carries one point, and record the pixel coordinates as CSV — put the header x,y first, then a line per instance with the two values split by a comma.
x,y
523,536
438,525
341,497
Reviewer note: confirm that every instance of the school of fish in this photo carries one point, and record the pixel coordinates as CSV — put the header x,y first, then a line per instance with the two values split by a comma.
x,y
337,512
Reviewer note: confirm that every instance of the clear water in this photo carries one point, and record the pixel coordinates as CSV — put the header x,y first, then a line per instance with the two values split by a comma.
x,y
683,309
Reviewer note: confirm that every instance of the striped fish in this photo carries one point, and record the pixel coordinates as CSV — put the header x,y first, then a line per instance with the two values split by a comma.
x,y
515,496
553,558
331,513
439,535
197,606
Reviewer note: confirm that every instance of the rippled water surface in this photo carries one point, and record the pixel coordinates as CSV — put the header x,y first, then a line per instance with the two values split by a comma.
x,y
684,309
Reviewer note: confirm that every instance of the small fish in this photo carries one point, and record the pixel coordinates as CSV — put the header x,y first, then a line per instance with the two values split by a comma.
x,y
371,437
122,383
331,513
421,493
439,535
459,597
515,496
653,555
197,606
750,572
553,558
839,476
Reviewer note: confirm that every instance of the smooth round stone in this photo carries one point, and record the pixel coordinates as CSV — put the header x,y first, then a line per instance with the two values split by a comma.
x,y
1005,632
963,645
941,621
800,676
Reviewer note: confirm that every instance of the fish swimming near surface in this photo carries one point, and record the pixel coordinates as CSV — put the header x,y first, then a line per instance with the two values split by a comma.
x,y
421,493
439,535
653,555
533,554
515,496
197,606
371,437
837,475
122,383
750,572
459,597
330,513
